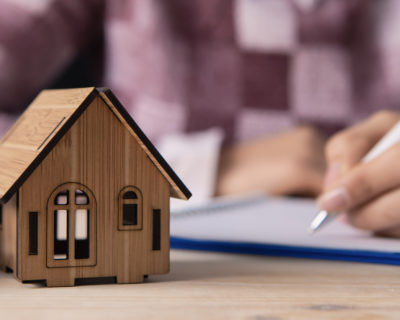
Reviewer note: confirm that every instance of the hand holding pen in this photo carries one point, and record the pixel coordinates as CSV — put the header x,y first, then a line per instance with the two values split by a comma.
x,y
363,177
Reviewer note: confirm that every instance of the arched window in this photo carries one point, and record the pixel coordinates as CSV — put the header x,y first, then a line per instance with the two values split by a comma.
x,y
130,209
71,226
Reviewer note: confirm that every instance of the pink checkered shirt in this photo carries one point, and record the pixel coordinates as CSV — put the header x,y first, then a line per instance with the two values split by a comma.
x,y
251,67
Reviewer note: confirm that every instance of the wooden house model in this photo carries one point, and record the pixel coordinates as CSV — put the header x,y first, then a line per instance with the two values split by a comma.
x,y
84,194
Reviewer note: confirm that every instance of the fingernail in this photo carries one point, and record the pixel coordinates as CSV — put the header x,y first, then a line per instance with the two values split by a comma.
x,y
332,173
335,200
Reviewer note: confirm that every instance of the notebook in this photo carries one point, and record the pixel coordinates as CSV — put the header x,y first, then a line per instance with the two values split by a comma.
x,y
275,226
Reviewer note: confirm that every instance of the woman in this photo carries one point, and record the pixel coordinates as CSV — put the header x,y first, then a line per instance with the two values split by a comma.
x,y
273,74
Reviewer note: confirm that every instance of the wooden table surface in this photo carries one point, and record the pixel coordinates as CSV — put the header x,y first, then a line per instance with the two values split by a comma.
x,y
220,286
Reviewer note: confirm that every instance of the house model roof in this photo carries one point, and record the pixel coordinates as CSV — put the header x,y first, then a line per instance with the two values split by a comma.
x,y
53,112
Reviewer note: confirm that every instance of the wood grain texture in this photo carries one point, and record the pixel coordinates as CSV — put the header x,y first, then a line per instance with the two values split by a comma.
x,y
101,154
175,188
33,131
221,286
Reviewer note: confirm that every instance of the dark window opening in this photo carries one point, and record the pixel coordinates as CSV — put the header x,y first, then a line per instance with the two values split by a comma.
x,y
130,195
82,247
33,233
129,214
61,234
156,229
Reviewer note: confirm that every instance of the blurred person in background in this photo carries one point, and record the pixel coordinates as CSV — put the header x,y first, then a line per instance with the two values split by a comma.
x,y
276,76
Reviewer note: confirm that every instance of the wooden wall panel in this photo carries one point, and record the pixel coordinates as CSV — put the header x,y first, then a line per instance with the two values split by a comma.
x,y
8,236
100,153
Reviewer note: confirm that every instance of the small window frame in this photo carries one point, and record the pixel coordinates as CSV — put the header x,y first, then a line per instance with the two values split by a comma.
x,y
138,202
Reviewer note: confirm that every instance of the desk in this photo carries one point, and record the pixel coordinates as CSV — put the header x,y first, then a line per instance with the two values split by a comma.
x,y
220,286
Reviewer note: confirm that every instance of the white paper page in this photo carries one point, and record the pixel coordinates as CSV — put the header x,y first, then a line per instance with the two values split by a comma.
x,y
268,220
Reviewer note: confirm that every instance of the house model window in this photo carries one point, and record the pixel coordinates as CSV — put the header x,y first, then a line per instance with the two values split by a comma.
x,y
130,209
71,216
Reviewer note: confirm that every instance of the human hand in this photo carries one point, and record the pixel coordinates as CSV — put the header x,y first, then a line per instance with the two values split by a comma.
x,y
291,163
368,193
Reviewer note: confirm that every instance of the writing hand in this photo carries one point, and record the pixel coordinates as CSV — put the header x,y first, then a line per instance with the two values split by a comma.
x,y
368,193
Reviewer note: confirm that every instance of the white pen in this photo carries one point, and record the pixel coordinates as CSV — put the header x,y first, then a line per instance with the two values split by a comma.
x,y
387,141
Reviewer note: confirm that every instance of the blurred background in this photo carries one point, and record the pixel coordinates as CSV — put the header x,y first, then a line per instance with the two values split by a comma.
x,y
253,69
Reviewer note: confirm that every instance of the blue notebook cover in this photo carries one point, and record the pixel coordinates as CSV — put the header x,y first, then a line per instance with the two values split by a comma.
x,y
275,227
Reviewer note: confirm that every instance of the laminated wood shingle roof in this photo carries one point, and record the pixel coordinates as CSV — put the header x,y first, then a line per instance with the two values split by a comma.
x,y
45,122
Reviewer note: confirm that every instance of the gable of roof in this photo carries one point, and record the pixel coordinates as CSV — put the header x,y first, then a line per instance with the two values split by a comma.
x,y
45,122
